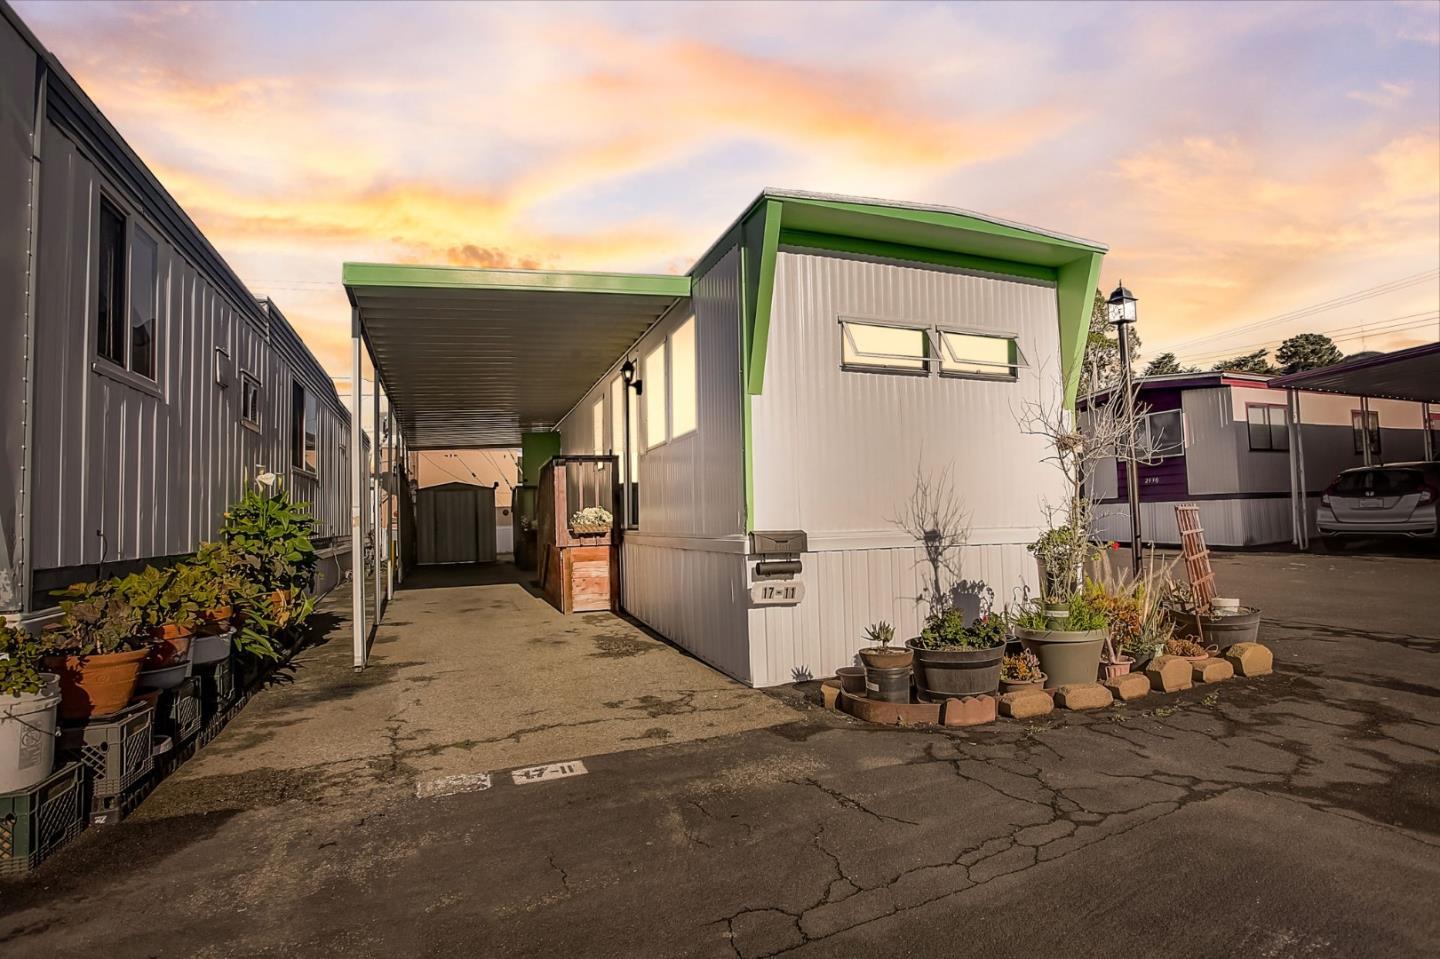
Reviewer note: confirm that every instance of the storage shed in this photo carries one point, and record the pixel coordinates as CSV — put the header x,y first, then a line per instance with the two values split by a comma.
x,y
142,386
772,412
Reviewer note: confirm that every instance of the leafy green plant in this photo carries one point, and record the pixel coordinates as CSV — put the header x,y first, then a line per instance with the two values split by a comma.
x,y
270,534
161,597
94,620
1087,611
946,629
20,655
880,634
1063,552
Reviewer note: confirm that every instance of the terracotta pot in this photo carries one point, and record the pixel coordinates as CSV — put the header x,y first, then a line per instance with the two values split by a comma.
x,y
150,697
96,685
280,599
166,652
219,616
852,679
1013,686
882,657
170,631
1118,668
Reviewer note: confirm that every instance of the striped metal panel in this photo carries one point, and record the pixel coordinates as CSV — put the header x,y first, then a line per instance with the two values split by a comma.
x,y
695,598
848,590
127,473
839,451
693,484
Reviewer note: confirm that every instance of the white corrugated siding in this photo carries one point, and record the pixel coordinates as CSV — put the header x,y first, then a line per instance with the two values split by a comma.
x,y
691,485
848,590
838,451
152,474
695,598
1227,522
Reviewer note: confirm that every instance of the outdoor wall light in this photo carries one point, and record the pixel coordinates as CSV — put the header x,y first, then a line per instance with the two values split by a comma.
x,y
1122,305
627,373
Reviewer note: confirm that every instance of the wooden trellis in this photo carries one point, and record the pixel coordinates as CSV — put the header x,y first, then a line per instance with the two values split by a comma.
x,y
1197,554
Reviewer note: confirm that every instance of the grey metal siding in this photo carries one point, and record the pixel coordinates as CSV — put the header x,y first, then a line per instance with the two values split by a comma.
x,y
17,128
127,473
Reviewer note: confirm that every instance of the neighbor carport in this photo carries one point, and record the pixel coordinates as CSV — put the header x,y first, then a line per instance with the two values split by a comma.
x,y
473,358
1412,374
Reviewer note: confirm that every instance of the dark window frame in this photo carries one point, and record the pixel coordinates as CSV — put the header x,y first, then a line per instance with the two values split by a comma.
x,y
1146,421
1373,428
115,332
1269,409
250,384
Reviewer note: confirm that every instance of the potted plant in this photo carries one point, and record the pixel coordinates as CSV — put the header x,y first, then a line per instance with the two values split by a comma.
x,y
956,659
169,616
1062,553
591,521
879,654
1220,627
28,698
1070,655
1021,671
271,535
96,648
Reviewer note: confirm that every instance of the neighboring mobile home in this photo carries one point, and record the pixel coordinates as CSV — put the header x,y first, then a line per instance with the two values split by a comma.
x,y
1223,442
142,386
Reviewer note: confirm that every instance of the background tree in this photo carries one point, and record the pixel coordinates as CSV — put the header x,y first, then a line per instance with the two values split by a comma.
x,y
1246,363
1162,365
1307,351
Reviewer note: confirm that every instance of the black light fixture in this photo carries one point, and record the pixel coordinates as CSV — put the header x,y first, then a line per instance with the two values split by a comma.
x,y
1122,314
1122,306
627,373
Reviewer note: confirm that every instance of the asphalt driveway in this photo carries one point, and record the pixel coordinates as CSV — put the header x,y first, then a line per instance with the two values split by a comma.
x,y
1292,815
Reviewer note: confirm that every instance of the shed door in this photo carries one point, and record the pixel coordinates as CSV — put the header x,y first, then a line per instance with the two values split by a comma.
x,y
454,526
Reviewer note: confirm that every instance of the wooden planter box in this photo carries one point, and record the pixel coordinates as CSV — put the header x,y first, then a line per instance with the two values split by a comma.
x,y
579,572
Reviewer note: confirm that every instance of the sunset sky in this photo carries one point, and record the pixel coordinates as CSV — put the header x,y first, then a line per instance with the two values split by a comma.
x,y
1242,161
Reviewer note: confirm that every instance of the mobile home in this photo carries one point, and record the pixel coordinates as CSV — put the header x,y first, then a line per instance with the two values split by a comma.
x,y
774,412
143,385
1223,441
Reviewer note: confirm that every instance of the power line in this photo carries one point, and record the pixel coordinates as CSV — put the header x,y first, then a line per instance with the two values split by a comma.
x,y
1367,328
1347,299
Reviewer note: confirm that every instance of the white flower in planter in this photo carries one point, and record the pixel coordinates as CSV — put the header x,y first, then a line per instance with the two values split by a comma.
x,y
592,519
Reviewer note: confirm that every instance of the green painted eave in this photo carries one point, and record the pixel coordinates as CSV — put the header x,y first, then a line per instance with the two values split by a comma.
x,y
395,275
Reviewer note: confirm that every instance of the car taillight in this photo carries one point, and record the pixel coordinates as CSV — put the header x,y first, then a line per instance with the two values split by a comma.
x,y
1325,496
1428,494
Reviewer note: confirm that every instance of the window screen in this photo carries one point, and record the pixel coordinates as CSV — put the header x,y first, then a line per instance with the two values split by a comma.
x,y
1162,434
1266,426
870,346
110,285
653,376
249,399
617,424
143,257
683,393
978,354
1374,431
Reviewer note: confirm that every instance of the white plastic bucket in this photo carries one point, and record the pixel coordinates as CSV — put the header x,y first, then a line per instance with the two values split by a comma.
x,y
27,735
1221,606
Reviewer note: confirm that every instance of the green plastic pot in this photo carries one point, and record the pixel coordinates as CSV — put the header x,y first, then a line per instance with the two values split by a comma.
x,y
1066,656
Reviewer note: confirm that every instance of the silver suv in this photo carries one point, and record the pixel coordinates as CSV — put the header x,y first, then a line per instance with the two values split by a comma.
x,y
1398,499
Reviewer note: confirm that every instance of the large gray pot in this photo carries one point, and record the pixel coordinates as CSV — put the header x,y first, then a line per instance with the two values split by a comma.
x,y
1221,631
943,673
1066,656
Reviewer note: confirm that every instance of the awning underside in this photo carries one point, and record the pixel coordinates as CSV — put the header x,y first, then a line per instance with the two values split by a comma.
x,y
472,367
1412,374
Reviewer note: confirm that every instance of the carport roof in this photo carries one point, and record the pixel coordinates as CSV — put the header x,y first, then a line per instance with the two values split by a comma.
x,y
1412,374
475,357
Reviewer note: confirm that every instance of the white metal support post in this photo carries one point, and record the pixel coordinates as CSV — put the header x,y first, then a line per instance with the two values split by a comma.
x,y
391,504
402,491
357,494
376,440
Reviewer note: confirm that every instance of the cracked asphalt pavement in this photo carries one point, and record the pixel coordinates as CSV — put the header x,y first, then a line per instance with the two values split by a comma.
x,y
1294,815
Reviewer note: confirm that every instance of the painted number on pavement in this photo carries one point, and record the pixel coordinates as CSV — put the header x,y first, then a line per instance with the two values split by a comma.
x,y
539,774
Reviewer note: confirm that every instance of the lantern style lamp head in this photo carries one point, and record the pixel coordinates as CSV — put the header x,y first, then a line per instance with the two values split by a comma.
x,y
627,373
1122,305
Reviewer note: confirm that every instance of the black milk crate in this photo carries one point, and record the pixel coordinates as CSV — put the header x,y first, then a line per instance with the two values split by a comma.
x,y
179,715
117,754
37,821
218,687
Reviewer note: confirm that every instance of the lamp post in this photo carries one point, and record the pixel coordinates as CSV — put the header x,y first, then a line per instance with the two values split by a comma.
x,y
1122,314
627,482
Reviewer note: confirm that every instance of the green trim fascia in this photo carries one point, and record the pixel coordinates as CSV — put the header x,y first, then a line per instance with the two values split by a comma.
x,y
748,437
764,297
1075,297
956,222
463,278
899,251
